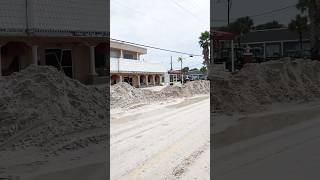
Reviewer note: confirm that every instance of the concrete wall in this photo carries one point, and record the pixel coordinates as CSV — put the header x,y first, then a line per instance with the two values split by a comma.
x,y
81,63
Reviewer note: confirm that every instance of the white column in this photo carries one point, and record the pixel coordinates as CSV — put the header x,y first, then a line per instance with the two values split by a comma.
x,y
232,55
282,49
181,77
92,61
264,51
147,80
121,78
121,54
138,57
35,55
139,83
0,62
160,79
154,79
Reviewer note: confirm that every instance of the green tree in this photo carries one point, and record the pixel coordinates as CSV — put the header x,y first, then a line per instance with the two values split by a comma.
x,y
313,9
203,69
204,42
269,25
299,25
241,27
185,70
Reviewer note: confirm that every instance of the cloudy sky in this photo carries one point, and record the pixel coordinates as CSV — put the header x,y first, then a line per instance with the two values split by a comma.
x,y
242,8
177,24
169,24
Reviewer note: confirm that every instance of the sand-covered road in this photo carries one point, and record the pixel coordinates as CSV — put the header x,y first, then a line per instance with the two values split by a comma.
x,y
288,147
168,141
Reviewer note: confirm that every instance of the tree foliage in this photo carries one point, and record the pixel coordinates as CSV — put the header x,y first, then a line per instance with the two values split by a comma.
x,y
312,7
269,25
299,25
204,42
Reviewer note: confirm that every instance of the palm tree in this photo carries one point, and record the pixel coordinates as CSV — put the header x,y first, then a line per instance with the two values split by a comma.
x,y
180,59
313,9
204,42
299,25
240,27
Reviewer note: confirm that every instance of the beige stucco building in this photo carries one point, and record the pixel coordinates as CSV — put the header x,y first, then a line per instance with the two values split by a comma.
x,y
46,33
126,65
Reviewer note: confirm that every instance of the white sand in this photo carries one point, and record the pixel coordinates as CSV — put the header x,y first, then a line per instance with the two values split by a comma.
x,y
256,85
162,141
123,95
46,115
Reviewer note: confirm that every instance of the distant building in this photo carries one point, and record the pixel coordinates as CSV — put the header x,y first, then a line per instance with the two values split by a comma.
x,y
175,75
70,36
275,43
196,74
126,66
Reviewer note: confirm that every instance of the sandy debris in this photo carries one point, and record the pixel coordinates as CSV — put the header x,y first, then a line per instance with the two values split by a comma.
x,y
124,95
256,85
41,107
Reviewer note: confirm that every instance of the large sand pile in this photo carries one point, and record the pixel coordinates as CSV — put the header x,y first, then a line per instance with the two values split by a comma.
x,y
259,84
41,107
124,95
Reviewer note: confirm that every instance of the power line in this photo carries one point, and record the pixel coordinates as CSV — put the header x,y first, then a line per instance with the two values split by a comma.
x,y
184,9
136,11
257,15
195,65
153,47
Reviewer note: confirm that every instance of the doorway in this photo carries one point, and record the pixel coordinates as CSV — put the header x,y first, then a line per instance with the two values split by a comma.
x,y
61,59
128,80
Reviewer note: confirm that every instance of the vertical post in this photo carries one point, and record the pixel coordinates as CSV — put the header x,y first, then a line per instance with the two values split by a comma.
x,y
0,62
92,61
229,8
181,73
282,49
147,80
120,78
139,83
35,55
121,54
264,50
211,60
232,55
154,79
138,57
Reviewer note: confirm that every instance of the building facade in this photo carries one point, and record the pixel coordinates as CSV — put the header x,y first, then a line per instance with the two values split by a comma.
x,y
70,36
126,65
276,43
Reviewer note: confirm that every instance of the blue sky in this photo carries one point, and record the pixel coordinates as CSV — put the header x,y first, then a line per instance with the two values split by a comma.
x,y
169,24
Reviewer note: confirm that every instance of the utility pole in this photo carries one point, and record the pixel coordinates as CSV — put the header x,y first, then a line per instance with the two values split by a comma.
x,y
171,63
181,73
229,9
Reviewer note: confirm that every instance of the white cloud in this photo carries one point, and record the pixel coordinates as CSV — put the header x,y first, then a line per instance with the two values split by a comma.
x,y
170,24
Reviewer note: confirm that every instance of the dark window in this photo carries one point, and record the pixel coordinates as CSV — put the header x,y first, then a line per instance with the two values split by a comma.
x,y
128,56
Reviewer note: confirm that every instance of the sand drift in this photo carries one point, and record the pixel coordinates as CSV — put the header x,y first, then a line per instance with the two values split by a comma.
x,y
42,108
124,95
257,85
